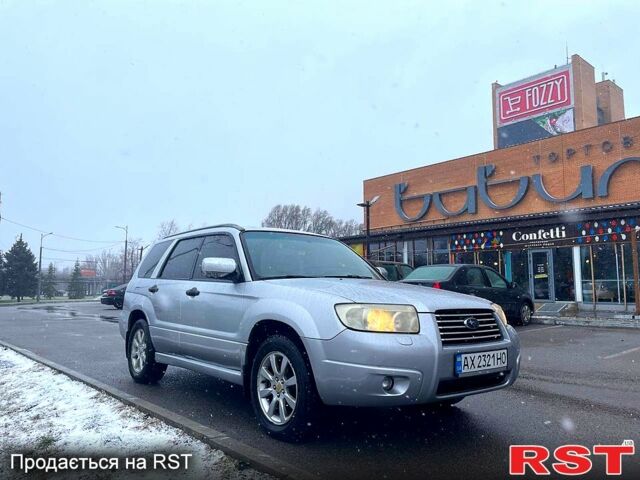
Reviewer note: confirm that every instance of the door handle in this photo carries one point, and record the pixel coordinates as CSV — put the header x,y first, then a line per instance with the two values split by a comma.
x,y
153,289
193,292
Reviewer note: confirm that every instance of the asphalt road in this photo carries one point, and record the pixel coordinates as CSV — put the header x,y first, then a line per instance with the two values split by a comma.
x,y
577,385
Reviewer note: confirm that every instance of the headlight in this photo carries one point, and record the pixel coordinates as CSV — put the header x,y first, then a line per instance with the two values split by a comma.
x,y
379,318
501,315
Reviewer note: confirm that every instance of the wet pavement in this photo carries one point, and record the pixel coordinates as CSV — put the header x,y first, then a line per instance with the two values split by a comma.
x,y
577,385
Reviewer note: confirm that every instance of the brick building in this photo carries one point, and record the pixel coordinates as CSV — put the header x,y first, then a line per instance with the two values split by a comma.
x,y
553,207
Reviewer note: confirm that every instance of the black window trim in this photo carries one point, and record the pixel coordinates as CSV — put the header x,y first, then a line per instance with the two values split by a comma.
x,y
159,263
164,264
484,268
239,278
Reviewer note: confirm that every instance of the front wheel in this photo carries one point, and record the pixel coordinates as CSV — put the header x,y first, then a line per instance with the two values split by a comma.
x,y
525,314
141,355
117,304
283,392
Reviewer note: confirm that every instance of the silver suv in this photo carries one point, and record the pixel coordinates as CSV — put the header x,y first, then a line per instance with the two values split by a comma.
x,y
301,320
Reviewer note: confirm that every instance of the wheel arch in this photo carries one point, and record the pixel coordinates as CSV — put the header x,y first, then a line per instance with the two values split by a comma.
x,y
260,332
134,316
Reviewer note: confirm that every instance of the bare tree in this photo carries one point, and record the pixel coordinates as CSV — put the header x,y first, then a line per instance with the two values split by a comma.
x,y
297,217
167,228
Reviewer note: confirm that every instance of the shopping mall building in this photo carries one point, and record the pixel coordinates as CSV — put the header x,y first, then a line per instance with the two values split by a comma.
x,y
552,207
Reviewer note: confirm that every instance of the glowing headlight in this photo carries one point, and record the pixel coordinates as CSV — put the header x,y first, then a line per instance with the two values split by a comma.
x,y
379,318
501,315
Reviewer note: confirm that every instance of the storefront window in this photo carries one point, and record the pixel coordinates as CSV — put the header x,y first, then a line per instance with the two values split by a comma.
x,y
603,259
489,258
399,250
410,252
464,257
420,254
627,279
520,268
563,274
440,250
373,252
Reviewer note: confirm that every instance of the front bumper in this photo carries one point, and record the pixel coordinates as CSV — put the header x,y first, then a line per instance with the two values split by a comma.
x,y
349,368
107,300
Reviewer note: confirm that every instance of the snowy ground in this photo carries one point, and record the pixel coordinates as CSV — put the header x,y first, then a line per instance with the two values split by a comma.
x,y
44,413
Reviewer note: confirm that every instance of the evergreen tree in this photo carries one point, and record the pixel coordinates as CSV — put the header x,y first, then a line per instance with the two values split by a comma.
x,y
49,283
76,288
21,270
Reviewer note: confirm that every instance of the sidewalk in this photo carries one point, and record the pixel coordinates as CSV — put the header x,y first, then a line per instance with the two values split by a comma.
x,y
45,414
610,319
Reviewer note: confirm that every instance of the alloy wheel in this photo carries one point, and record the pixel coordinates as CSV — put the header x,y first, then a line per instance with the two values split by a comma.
x,y
525,314
277,388
138,351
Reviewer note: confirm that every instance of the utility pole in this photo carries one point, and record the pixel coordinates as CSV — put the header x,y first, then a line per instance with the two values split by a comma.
x,y
42,235
367,206
126,247
141,250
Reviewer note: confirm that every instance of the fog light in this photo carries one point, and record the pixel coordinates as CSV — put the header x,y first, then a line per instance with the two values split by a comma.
x,y
387,383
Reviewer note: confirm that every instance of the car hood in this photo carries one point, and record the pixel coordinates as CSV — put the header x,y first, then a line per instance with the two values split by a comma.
x,y
425,299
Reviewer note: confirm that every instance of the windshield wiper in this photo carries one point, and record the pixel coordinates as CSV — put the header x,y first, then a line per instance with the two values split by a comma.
x,y
346,276
277,277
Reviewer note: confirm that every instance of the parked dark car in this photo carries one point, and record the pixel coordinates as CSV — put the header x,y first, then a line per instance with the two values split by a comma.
x,y
395,270
114,296
480,281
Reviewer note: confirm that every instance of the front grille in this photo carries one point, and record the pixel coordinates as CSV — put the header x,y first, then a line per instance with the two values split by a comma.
x,y
453,331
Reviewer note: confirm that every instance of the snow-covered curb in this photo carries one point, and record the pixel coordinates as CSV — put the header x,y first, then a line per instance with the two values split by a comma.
x,y
44,413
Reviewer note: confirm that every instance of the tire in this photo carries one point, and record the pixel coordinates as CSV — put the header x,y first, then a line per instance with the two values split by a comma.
x,y
272,388
525,314
141,355
117,304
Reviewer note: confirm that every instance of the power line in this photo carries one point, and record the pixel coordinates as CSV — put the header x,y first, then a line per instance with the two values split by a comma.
x,y
107,247
57,234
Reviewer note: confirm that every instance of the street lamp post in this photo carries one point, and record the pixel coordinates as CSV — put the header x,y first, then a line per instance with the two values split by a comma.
x,y
42,235
367,206
126,240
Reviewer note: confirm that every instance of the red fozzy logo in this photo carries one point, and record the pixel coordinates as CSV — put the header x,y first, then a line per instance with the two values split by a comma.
x,y
570,460
535,97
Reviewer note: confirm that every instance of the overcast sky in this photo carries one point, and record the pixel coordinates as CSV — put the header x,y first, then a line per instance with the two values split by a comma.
x,y
131,113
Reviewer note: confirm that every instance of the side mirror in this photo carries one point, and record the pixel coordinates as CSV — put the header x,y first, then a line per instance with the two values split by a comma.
x,y
383,271
215,267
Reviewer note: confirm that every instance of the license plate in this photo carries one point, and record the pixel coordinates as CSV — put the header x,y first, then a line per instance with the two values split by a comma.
x,y
481,361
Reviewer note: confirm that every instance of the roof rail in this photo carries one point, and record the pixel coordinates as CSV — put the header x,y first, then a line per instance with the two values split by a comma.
x,y
221,225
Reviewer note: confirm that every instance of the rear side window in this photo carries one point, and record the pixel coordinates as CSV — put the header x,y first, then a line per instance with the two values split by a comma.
x,y
496,280
392,273
475,278
405,270
221,246
180,264
149,263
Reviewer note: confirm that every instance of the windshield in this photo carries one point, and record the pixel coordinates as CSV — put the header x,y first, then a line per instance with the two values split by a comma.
x,y
440,272
291,255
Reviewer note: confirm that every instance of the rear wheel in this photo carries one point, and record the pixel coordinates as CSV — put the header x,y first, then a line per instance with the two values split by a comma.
x,y
283,393
525,314
141,355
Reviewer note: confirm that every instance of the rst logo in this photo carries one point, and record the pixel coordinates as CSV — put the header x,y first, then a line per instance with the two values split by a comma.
x,y
570,460
531,98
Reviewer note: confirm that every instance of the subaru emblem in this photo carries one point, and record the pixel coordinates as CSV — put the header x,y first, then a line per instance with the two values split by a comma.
x,y
471,323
